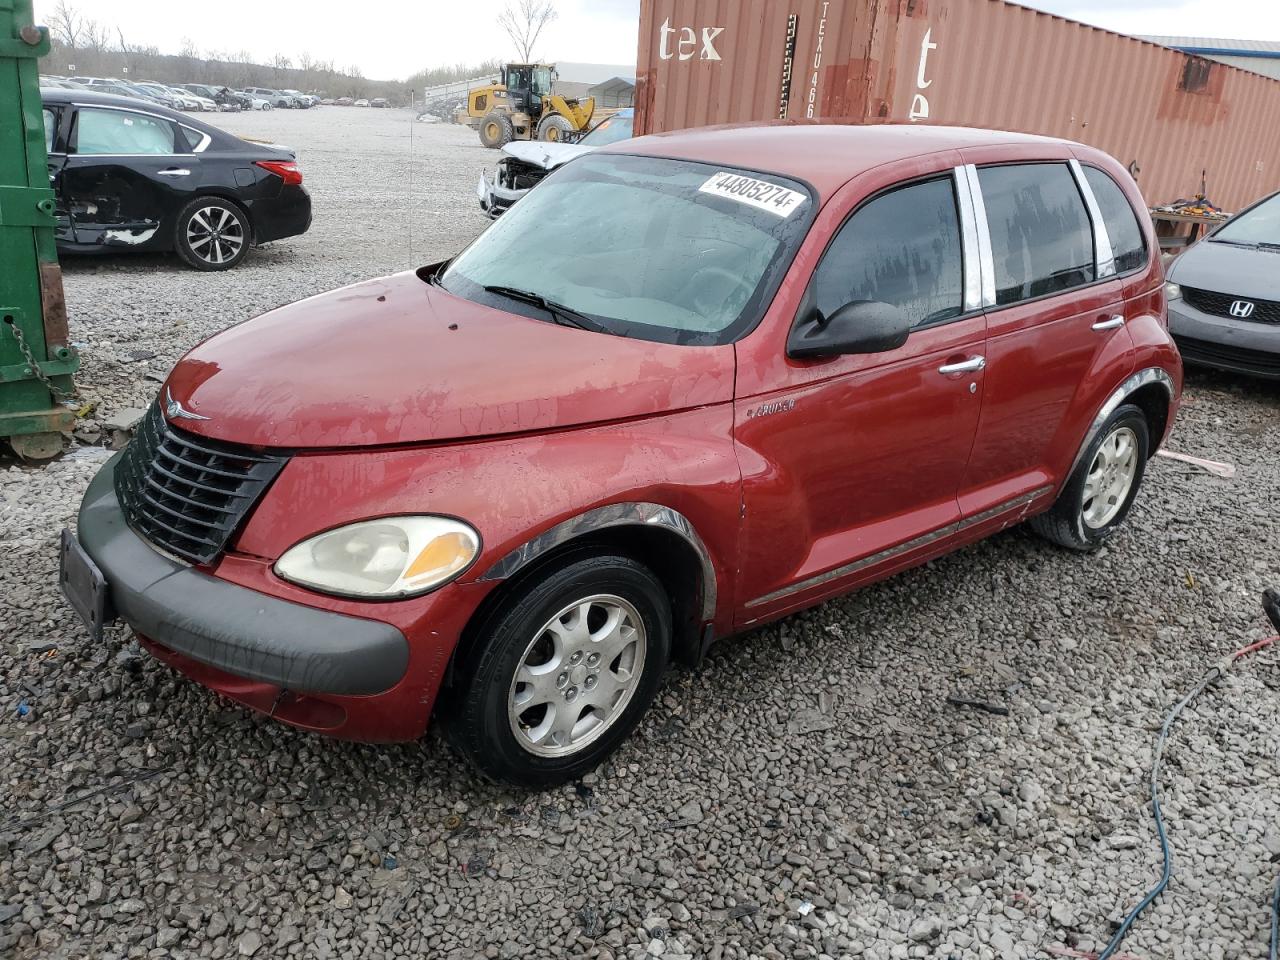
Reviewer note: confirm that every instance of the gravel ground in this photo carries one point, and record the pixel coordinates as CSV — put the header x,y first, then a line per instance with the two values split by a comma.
x,y
808,793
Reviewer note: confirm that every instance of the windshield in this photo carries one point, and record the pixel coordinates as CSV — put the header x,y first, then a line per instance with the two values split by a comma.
x,y
1258,225
609,131
541,81
666,250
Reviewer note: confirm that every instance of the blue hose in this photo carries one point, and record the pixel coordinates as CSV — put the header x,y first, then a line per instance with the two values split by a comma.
x,y
1213,674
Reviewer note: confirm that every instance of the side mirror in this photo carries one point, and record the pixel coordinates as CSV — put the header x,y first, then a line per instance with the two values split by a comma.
x,y
864,326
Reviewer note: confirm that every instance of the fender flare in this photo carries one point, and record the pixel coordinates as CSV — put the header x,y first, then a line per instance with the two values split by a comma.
x,y
602,518
1131,385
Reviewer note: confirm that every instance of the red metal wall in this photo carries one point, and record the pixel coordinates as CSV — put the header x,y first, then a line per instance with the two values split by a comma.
x,y
981,63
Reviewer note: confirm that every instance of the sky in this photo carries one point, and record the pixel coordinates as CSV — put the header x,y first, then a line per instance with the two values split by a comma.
x,y
391,39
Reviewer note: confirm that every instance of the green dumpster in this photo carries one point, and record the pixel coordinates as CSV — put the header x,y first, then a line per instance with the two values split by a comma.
x,y
36,357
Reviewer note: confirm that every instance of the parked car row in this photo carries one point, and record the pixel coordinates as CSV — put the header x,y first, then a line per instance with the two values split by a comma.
x,y
190,97
133,176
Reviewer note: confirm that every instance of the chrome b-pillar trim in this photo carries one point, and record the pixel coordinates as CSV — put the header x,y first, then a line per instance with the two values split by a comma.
x,y
1104,257
1134,383
986,259
969,241
603,518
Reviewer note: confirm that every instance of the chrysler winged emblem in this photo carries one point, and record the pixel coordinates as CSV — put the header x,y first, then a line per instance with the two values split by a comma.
x,y
176,411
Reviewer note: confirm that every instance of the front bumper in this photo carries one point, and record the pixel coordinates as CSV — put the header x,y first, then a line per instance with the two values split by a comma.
x,y
228,629
496,200
1238,346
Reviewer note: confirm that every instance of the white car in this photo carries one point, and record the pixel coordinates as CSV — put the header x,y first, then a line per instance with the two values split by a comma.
x,y
525,162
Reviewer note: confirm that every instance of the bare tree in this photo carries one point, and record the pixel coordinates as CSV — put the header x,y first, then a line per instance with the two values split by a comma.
x,y
97,36
524,21
66,25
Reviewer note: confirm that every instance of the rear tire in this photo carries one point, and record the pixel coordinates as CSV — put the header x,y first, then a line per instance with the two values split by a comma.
x,y
554,127
496,130
212,233
1099,493
565,669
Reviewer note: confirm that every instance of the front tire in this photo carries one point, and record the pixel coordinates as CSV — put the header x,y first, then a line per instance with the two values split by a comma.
x,y
554,127
567,667
1101,490
212,233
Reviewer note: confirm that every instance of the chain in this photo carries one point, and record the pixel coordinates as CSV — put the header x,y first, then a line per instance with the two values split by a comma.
x,y
40,375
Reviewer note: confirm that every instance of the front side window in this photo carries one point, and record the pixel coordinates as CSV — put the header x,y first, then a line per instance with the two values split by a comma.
x,y
667,250
1041,238
1128,246
122,132
901,248
1260,225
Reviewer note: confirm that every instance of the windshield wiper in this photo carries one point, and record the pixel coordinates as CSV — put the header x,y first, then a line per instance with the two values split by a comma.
x,y
565,316
1234,243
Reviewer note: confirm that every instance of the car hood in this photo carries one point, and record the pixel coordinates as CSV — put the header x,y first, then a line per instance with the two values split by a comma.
x,y
543,154
1226,268
397,360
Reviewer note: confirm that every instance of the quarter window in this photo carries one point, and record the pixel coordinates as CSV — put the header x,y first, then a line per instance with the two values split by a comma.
x,y
122,132
1041,239
901,248
1127,243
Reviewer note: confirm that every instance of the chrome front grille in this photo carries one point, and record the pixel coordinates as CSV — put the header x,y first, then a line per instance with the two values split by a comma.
x,y
186,494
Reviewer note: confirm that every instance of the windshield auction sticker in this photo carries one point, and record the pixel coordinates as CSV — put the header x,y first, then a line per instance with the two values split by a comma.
x,y
757,193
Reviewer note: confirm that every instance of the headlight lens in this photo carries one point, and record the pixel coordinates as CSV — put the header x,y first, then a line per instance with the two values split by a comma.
x,y
390,557
1172,291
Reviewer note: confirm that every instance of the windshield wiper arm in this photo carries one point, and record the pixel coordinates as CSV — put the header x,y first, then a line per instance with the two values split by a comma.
x,y
1234,243
565,316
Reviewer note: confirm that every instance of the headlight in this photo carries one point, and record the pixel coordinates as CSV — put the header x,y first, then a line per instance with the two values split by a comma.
x,y
1172,291
390,557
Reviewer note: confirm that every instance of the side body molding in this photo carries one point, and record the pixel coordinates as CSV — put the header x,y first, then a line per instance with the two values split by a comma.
x,y
1134,383
613,515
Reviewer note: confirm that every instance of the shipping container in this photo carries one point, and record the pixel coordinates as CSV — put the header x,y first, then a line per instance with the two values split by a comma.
x,y
1169,116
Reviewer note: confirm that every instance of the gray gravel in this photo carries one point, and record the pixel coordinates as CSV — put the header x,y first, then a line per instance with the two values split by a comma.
x,y
809,793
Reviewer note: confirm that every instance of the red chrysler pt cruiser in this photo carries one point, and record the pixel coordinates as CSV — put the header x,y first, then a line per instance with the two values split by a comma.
x,y
690,384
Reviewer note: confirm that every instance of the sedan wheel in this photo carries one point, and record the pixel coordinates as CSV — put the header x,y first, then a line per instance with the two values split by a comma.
x,y
213,234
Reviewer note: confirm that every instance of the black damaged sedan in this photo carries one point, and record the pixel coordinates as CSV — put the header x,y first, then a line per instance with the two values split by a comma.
x,y
134,176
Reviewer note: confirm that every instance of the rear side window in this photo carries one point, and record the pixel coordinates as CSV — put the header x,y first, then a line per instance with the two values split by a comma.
x,y
122,132
901,248
50,128
1041,239
1127,243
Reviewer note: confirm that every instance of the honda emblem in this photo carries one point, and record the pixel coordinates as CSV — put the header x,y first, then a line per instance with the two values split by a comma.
x,y
1242,309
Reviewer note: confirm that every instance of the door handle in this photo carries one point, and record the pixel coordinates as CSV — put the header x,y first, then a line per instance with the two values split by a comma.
x,y
1110,323
174,172
964,366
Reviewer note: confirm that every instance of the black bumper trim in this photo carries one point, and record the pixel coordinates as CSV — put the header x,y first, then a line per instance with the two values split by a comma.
x,y
230,627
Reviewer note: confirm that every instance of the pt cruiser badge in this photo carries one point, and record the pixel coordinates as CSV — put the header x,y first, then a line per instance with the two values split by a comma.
x,y
775,406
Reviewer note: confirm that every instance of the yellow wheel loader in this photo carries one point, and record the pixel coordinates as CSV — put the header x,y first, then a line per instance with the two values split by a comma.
x,y
522,107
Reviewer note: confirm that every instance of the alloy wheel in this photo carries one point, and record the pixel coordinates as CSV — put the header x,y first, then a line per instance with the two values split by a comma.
x,y
577,675
215,234
1110,478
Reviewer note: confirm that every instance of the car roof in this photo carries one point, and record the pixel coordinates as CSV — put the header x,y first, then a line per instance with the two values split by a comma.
x,y
824,155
